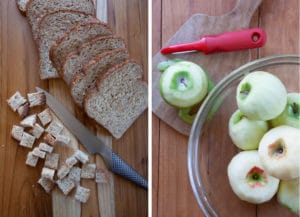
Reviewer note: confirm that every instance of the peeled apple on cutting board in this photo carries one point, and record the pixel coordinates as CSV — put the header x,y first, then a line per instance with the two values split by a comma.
x,y
184,85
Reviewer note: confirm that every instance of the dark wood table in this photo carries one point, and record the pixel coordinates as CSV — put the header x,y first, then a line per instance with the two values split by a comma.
x,y
172,194
20,195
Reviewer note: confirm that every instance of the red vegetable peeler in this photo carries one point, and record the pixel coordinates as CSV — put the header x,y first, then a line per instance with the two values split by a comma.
x,y
229,41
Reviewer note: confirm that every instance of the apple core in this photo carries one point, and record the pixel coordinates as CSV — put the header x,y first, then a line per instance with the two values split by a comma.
x,y
277,149
245,90
256,177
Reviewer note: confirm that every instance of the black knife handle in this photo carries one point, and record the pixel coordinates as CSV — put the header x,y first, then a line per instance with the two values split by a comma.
x,y
121,168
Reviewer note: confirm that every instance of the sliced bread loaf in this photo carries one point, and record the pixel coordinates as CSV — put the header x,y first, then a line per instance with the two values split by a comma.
x,y
75,37
84,81
38,8
75,61
119,99
51,27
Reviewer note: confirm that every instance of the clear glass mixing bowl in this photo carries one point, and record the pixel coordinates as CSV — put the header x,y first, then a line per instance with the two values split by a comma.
x,y
210,148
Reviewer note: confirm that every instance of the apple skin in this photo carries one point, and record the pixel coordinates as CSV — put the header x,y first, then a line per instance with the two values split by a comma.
x,y
291,114
288,194
279,152
261,96
162,66
183,84
248,180
245,133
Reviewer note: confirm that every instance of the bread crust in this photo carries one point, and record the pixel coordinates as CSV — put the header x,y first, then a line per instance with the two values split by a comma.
x,y
67,33
83,46
45,11
86,67
39,28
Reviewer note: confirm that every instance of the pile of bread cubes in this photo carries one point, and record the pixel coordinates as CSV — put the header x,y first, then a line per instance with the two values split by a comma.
x,y
49,131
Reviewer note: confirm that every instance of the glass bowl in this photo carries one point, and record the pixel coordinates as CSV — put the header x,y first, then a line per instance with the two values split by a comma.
x,y
210,148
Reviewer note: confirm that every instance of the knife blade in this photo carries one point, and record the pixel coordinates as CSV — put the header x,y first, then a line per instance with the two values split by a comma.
x,y
93,144
228,41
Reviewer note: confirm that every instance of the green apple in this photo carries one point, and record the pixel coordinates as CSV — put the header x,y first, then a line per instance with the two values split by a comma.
x,y
183,84
279,152
248,179
291,114
245,133
288,194
261,96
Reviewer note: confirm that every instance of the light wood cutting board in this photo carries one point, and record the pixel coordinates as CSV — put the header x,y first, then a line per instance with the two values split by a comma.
x,y
103,194
218,65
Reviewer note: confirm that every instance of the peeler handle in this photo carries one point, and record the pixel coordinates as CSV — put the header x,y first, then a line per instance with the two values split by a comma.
x,y
233,41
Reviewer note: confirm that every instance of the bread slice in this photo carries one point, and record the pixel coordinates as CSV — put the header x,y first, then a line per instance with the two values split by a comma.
x,y
51,27
119,98
36,9
75,61
75,37
84,81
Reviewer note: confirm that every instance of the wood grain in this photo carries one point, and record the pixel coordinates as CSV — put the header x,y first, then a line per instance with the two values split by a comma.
x,y
172,194
20,195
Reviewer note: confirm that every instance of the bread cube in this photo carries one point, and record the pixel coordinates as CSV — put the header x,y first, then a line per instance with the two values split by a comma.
x,y
52,160
37,152
37,130
36,99
54,128
29,121
27,140
62,140
45,147
63,171
49,139
17,132
23,110
45,117
75,174
88,171
46,184
48,173
31,159
16,100
81,156
82,194
71,161
65,185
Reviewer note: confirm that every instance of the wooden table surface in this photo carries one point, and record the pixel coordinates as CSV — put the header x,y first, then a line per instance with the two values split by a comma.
x,y
20,196
171,193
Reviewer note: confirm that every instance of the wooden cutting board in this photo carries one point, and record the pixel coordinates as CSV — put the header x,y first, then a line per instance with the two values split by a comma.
x,y
218,65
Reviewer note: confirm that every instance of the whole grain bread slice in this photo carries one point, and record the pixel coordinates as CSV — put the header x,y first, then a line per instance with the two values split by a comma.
x,y
119,98
36,9
51,27
74,38
75,61
84,81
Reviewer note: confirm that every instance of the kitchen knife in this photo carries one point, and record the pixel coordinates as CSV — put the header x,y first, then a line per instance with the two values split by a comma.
x,y
93,144
229,41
